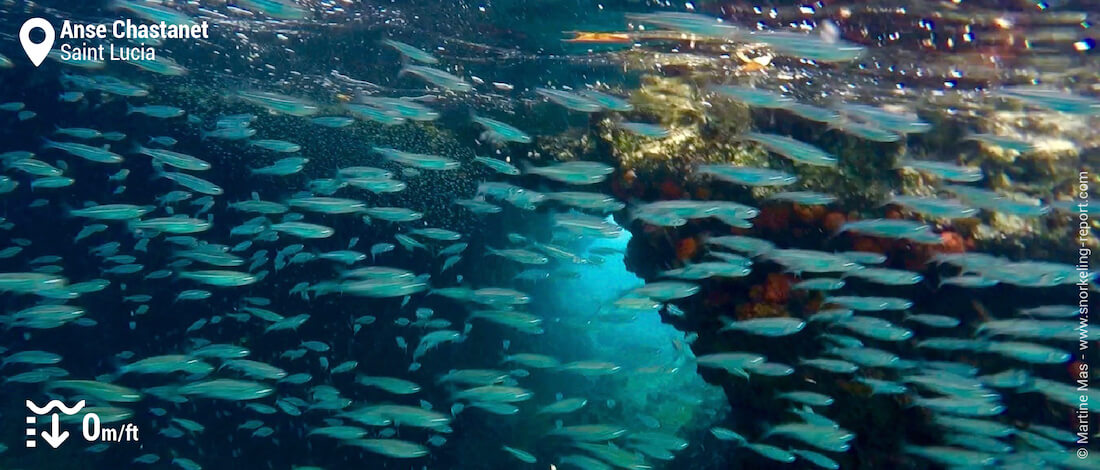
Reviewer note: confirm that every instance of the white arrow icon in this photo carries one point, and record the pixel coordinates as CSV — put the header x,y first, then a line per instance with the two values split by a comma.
x,y
36,51
57,437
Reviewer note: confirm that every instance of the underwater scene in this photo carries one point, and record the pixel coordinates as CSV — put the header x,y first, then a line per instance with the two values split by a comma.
x,y
548,234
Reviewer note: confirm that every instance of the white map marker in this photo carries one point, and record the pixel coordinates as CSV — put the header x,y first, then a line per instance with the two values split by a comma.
x,y
36,52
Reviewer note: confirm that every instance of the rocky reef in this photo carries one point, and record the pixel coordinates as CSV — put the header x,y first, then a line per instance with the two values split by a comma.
x,y
704,128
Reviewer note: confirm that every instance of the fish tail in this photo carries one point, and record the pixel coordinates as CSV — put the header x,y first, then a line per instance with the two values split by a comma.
x,y
704,238
67,210
743,373
158,171
129,109
527,166
111,377
768,431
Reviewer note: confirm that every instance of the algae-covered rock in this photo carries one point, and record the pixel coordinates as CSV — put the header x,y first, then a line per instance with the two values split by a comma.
x,y
699,131
573,144
702,129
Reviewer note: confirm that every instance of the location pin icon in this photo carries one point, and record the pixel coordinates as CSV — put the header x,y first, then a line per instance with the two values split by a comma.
x,y
36,52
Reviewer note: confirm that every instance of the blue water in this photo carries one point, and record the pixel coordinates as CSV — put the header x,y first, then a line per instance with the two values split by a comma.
x,y
653,371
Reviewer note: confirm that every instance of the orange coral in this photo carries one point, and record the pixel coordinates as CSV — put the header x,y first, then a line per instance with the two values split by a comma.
x,y
777,288
686,249
773,218
1074,369
814,305
629,176
618,187
624,188
917,262
819,211
833,221
759,310
868,244
718,298
855,388
808,214
953,242
671,190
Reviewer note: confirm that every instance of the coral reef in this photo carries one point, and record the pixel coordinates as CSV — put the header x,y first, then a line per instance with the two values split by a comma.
x,y
695,129
704,129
